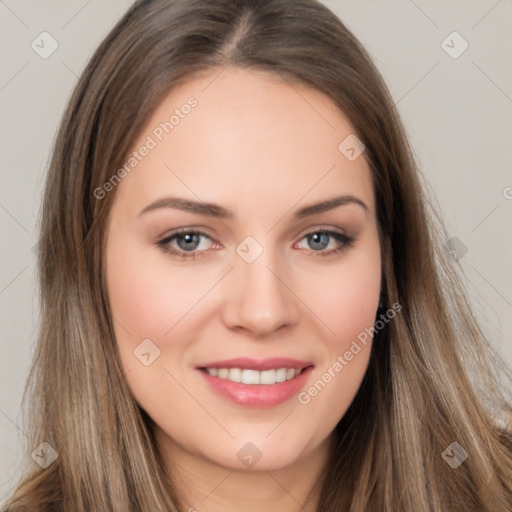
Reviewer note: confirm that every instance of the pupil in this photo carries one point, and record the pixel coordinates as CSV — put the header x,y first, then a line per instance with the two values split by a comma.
x,y
190,237
321,239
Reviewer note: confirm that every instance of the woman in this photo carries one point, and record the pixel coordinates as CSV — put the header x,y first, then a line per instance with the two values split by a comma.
x,y
244,301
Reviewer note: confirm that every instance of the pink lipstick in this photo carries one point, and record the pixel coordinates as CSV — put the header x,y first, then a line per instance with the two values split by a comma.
x,y
257,383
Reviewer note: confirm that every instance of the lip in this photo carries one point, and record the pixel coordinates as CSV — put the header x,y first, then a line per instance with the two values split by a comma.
x,y
258,396
248,363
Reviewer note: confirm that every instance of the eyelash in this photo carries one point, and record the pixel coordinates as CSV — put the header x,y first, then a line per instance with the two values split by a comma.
x,y
345,242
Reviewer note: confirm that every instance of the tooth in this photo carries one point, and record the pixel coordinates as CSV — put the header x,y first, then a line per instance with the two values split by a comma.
x,y
268,377
281,375
235,374
265,377
250,377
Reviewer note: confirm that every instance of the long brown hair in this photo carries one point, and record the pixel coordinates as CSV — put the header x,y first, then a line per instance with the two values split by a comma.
x,y
432,379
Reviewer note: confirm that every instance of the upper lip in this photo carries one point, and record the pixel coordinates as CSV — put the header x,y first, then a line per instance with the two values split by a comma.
x,y
248,363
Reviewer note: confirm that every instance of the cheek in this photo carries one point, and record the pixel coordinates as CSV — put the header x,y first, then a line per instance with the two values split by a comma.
x,y
346,297
150,300
346,300
148,296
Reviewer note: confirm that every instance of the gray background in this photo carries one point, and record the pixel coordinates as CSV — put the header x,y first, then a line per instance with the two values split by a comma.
x,y
457,112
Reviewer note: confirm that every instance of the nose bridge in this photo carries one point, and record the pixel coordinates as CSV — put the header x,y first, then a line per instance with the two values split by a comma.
x,y
259,299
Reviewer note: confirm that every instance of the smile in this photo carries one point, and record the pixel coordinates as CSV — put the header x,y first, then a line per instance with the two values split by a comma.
x,y
256,388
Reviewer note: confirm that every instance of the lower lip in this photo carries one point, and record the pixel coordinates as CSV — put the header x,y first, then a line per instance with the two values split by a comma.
x,y
258,395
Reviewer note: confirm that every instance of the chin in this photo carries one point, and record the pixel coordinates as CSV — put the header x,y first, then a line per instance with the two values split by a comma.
x,y
257,454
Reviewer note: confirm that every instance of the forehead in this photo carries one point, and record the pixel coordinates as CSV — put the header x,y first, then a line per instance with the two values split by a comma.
x,y
236,134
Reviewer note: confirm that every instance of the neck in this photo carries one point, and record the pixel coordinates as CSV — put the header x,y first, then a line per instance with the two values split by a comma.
x,y
205,486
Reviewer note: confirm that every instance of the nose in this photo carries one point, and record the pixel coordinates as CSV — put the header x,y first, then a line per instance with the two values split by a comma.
x,y
260,298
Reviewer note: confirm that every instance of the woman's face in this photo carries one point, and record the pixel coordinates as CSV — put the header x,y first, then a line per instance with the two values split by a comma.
x,y
259,287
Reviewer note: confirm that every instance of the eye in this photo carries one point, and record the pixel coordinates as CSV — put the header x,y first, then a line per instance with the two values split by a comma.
x,y
187,243
320,240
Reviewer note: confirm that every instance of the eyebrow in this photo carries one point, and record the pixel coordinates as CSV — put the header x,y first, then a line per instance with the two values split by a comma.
x,y
217,211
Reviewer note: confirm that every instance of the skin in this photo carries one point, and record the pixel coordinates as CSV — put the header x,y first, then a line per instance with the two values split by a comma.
x,y
263,149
